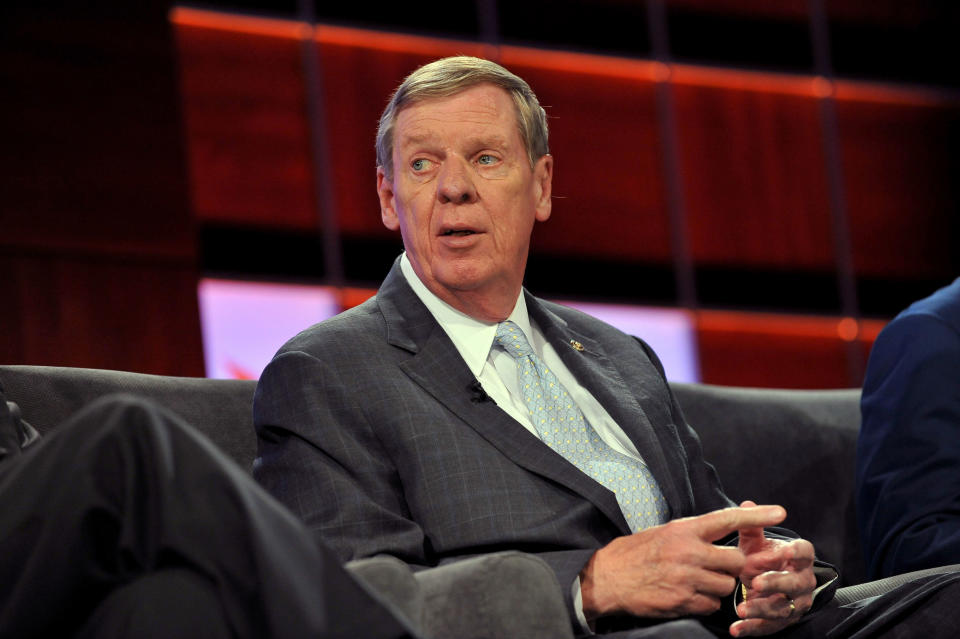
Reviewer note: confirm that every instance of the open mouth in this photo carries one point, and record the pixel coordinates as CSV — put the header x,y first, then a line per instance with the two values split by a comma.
x,y
458,233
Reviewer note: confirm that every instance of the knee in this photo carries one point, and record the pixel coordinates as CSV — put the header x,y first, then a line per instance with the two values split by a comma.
x,y
128,417
126,427
132,408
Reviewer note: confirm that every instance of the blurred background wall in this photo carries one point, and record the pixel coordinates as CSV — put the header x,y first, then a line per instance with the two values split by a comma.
x,y
778,175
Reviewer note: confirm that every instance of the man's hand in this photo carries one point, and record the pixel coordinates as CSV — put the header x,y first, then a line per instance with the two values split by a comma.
x,y
779,580
672,570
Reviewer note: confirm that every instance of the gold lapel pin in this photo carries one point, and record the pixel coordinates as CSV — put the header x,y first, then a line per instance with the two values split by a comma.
x,y
577,346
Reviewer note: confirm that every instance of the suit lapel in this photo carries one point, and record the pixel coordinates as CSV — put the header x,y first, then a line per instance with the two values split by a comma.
x,y
437,367
595,371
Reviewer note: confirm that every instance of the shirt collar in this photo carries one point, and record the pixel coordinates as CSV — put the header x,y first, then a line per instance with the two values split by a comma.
x,y
471,337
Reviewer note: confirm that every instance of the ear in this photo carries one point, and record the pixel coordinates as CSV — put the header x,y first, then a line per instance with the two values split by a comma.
x,y
388,212
543,184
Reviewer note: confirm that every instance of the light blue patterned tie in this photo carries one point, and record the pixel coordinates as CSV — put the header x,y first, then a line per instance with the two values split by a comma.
x,y
562,426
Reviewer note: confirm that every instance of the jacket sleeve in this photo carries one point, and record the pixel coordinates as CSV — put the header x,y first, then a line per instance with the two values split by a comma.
x,y
319,456
908,488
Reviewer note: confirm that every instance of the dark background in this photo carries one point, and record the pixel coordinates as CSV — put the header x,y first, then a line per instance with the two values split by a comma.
x,y
774,168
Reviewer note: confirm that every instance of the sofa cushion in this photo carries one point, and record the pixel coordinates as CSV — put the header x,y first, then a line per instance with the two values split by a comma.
x,y
501,594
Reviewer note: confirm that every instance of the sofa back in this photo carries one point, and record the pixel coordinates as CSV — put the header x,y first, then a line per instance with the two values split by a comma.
x,y
219,408
794,448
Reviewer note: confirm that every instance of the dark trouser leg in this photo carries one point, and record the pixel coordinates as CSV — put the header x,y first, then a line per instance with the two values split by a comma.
x,y
678,629
124,490
921,609
165,604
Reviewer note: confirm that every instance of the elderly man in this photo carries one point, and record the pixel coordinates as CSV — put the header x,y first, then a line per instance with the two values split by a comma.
x,y
456,414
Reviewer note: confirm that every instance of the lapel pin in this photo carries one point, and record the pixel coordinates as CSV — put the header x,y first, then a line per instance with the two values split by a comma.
x,y
577,346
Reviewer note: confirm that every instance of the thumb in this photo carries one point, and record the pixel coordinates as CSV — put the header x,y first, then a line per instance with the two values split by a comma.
x,y
751,539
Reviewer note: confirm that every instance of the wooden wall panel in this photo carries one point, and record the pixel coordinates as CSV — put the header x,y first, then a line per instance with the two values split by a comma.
x,y
99,312
782,351
753,168
609,194
793,9
866,11
908,14
246,121
91,142
98,246
900,165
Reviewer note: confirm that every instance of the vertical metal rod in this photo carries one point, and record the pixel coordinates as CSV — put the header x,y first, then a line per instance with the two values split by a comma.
x,y
667,124
325,203
830,140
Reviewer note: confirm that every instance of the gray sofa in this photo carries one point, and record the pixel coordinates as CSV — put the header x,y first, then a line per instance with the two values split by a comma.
x,y
795,448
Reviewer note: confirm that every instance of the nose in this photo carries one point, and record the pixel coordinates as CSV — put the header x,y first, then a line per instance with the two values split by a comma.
x,y
455,184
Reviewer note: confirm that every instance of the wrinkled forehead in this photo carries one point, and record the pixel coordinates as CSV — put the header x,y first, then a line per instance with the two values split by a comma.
x,y
482,110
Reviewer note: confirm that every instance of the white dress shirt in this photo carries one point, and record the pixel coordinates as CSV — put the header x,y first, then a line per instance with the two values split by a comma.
x,y
497,371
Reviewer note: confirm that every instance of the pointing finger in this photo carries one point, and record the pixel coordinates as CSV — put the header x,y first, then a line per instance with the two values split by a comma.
x,y
720,523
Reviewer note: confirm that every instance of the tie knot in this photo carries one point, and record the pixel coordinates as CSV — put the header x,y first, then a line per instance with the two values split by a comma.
x,y
512,339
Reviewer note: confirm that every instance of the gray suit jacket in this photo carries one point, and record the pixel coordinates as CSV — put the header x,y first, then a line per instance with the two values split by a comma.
x,y
371,430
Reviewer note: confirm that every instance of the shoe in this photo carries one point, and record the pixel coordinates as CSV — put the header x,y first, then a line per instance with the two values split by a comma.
x,y
15,434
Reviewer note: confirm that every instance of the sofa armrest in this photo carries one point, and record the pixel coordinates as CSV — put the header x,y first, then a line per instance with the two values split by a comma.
x,y
851,594
392,582
506,594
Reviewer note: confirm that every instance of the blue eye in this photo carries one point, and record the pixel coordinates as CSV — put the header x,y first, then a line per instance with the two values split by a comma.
x,y
486,158
420,164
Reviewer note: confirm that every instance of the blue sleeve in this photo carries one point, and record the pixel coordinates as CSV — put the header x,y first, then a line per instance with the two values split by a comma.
x,y
908,454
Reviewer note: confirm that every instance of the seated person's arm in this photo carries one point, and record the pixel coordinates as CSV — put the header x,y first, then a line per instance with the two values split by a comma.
x,y
318,455
908,457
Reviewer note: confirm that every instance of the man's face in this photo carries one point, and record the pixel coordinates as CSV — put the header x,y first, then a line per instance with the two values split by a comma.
x,y
463,194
